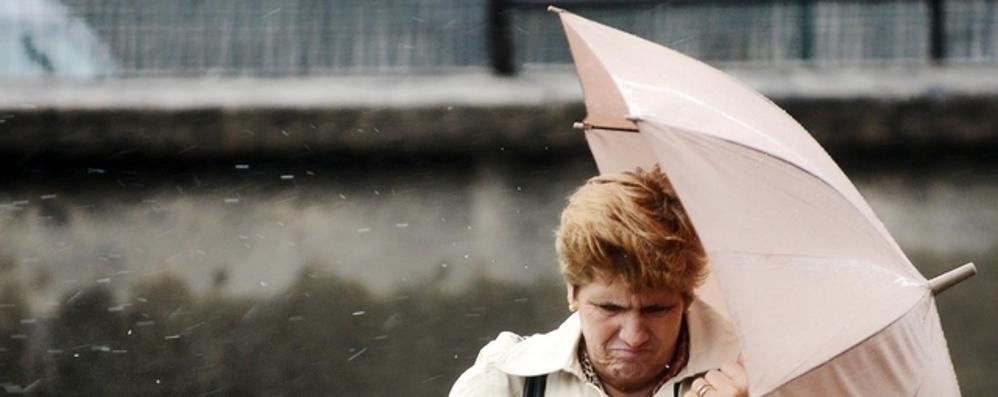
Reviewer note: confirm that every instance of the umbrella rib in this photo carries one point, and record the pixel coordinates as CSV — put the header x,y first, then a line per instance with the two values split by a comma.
x,y
587,127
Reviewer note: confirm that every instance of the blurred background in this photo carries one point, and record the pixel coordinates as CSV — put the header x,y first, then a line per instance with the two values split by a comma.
x,y
350,197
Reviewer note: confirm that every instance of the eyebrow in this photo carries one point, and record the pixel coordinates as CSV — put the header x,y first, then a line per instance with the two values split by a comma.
x,y
645,308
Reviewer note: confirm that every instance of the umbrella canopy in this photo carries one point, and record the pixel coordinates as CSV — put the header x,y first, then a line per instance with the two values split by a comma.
x,y
822,298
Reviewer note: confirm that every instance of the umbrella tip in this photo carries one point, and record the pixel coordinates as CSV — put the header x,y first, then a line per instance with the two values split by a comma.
x,y
555,9
943,281
578,125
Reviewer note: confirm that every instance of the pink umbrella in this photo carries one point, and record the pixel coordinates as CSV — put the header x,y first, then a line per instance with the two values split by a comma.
x,y
823,300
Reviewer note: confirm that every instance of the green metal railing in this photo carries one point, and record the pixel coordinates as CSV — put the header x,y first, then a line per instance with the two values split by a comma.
x,y
281,38
799,31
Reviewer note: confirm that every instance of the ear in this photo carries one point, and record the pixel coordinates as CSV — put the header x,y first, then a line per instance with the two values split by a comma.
x,y
687,301
572,291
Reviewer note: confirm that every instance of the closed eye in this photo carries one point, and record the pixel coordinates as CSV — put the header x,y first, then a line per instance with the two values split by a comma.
x,y
610,307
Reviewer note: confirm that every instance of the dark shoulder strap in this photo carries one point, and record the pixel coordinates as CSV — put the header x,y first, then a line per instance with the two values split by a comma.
x,y
533,386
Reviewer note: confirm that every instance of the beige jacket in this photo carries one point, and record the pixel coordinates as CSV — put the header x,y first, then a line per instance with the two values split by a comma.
x,y
502,364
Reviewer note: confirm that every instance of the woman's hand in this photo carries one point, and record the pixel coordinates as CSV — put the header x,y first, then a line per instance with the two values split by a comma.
x,y
728,381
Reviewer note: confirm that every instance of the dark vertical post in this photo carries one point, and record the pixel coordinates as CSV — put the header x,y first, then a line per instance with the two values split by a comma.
x,y
937,31
500,41
806,30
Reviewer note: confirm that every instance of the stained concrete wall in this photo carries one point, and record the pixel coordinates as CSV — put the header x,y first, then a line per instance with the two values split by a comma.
x,y
923,109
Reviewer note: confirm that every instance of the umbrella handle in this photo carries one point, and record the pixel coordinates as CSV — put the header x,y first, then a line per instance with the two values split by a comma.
x,y
953,277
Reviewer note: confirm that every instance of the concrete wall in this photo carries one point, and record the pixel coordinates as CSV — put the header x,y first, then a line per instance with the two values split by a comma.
x,y
869,109
839,124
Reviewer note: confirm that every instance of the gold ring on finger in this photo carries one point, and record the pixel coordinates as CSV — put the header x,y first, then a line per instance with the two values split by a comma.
x,y
704,388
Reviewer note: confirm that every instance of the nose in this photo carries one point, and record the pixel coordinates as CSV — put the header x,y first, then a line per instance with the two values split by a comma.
x,y
633,331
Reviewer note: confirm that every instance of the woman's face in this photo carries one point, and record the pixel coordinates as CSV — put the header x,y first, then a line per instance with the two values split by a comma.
x,y
630,336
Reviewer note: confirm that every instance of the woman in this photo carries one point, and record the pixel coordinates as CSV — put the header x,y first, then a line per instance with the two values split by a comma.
x,y
631,261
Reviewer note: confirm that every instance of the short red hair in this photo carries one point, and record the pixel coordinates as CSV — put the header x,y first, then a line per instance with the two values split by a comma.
x,y
631,226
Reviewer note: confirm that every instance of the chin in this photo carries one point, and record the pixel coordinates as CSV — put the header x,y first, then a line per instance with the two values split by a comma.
x,y
631,373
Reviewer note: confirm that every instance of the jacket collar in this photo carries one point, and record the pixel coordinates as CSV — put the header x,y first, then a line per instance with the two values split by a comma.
x,y
712,340
712,343
546,353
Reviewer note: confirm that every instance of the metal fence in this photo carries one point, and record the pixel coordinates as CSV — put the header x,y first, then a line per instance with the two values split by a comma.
x,y
774,32
286,37
276,38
